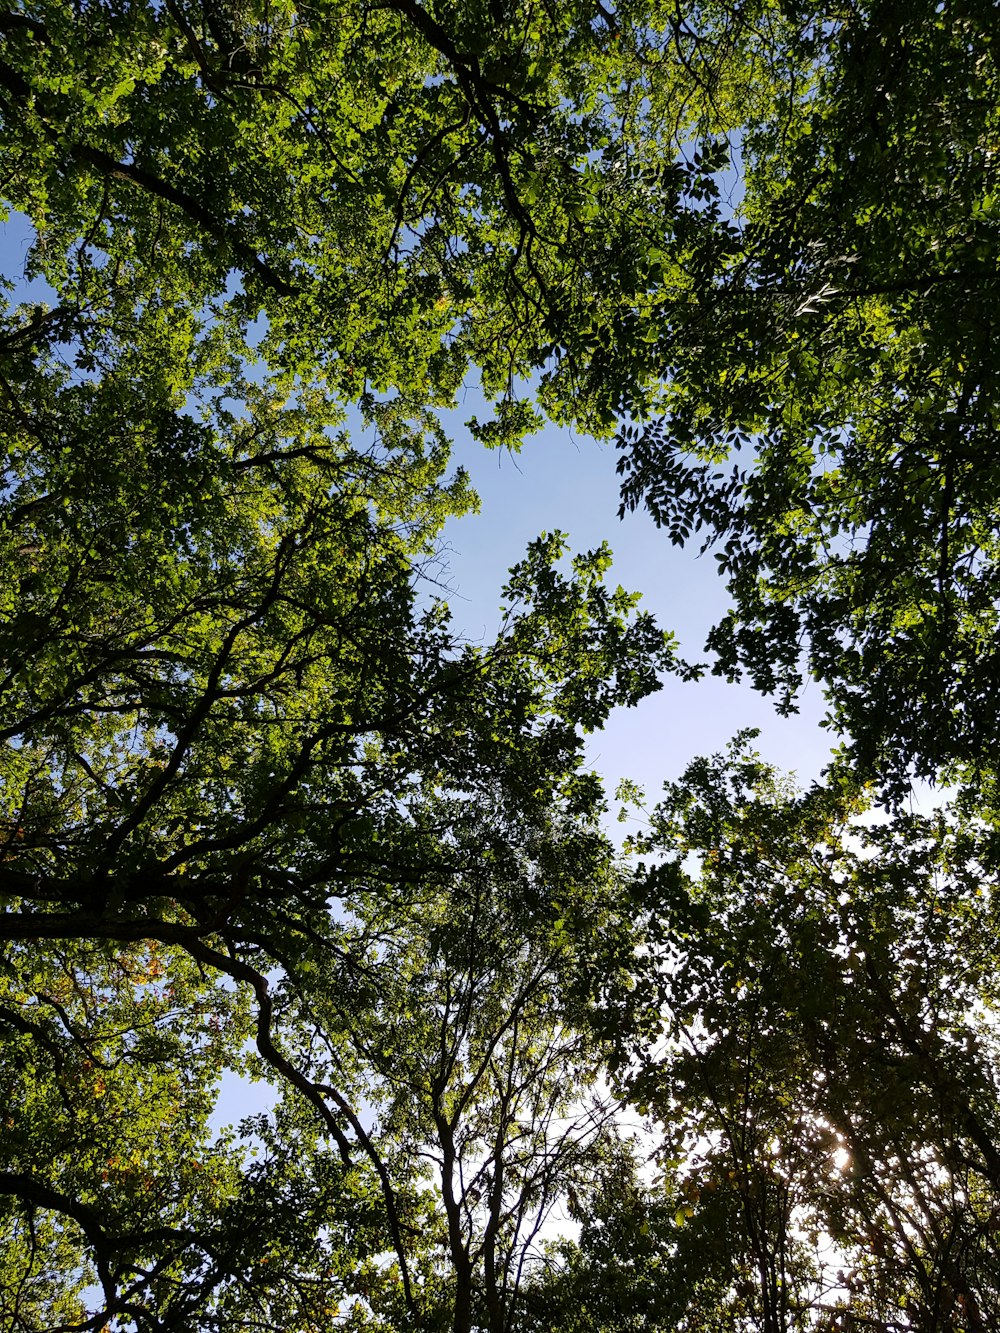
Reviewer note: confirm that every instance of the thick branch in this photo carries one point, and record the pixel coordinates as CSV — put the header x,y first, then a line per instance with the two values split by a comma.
x,y
222,231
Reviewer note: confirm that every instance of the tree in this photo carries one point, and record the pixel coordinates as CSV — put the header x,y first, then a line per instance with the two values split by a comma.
x,y
227,791
255,790
454,1025
119,1203
225,715
830,389
229,725
645,1260
824,997
391,195
381,201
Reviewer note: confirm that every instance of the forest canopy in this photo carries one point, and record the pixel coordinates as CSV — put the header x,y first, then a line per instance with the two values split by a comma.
x,y
265,814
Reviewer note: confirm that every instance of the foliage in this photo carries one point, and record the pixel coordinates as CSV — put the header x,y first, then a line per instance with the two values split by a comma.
x,y
263,814
644,1260
387,195
449,1021
239,738
821,995
226,733
831,386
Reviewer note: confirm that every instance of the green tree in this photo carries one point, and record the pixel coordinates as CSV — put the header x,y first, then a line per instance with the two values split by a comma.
x,y
815,1029
648,1258
829,410
119,1205
229,753
231,721
391,195
454,1024
255,791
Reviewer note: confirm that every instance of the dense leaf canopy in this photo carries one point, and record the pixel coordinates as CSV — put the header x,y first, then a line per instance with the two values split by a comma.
x,y
265,816
832,392
815,1028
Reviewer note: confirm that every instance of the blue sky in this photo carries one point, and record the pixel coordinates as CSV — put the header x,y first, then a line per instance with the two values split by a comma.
x,y
564,481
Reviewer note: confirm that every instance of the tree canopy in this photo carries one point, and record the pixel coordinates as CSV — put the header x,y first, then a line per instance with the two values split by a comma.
x,y
830,407
265,815
814,1028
